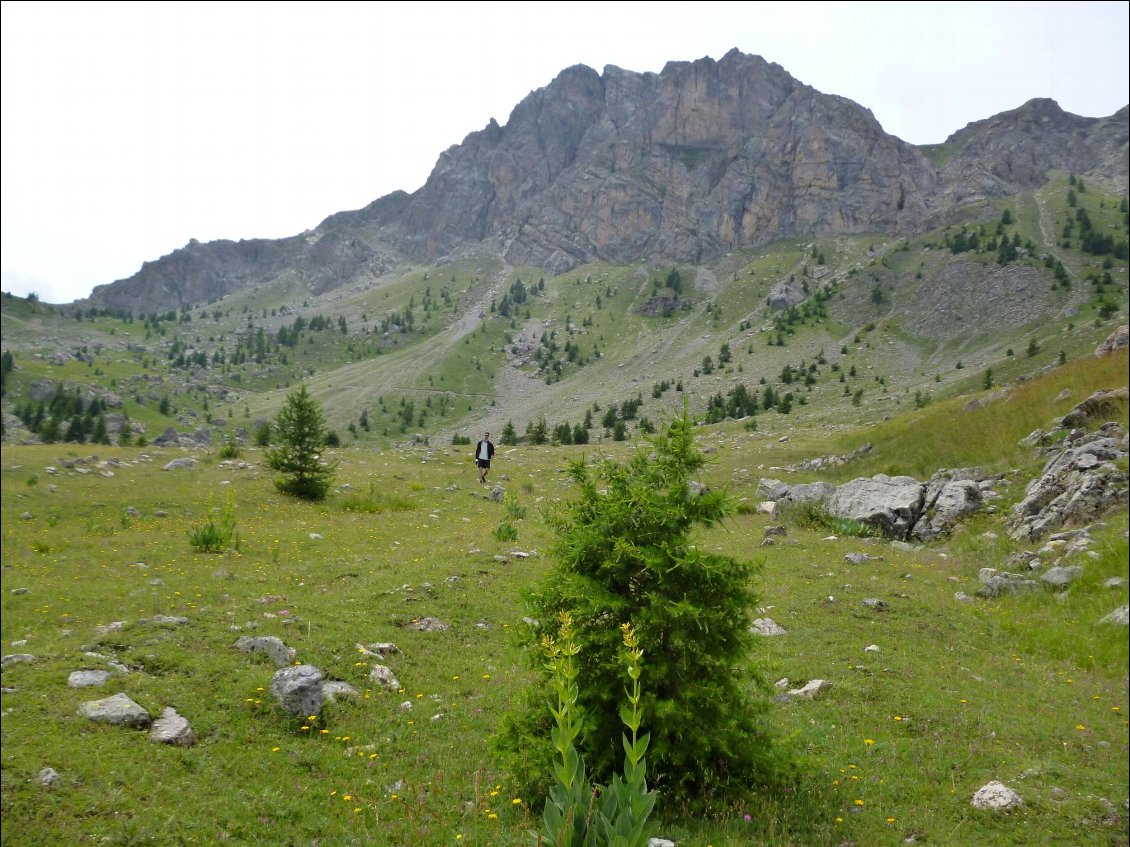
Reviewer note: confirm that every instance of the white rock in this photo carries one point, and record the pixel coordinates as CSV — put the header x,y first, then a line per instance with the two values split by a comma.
x,y
996,795
767,626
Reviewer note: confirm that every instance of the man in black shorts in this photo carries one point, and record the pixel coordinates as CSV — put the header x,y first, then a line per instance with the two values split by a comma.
x,y
484,450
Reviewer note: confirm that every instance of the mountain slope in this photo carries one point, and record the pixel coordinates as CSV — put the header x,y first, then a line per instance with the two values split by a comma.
x,y
681,166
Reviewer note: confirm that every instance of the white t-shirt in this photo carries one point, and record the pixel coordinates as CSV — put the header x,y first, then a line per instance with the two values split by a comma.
x,y
484,451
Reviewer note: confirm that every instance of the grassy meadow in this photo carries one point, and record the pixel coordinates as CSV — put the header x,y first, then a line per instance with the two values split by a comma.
x,y
1027,690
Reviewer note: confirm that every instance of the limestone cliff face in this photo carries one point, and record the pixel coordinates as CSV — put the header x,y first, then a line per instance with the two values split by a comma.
x,y
699,159
1013,151
684,165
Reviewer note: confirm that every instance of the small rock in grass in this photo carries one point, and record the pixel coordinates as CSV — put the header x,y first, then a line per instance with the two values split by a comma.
x,y
996,795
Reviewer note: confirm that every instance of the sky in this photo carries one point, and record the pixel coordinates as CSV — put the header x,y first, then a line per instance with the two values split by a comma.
x,y
130,128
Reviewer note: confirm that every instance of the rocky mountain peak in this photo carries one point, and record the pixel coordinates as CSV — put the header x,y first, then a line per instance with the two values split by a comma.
x,y
683,165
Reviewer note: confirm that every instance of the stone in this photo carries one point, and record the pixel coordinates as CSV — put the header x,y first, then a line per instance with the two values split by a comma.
x,y
166,620
16,659
19,592
1007,583
429,624
497,494
171,728
47,777
962,597
88,679
660,842
875,603
889,504
946,503
1117,340
336,688
270,645
1119,617
773,531
766,626
810,690
996,795
384,677
379,648
1115,582
298,690
858,558
1079,484
118,710
179,464
772,489
1060,577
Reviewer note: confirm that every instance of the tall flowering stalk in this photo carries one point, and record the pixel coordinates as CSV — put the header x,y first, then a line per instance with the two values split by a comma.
x,y
574,816
568,809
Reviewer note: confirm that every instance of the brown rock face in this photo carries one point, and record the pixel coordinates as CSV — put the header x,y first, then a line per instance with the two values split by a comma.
x,y
699,159
1013,151
683,165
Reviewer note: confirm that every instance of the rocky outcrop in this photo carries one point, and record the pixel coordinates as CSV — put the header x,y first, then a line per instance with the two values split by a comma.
x,y
1117,340
890,504
1078,484
900,507
1013,151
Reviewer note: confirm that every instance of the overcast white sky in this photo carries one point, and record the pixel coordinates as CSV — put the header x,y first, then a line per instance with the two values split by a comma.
x,y
130,128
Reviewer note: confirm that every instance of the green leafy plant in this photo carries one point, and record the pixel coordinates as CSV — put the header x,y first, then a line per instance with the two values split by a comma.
x,y
215,538
812,516
230,450
506,531
576,813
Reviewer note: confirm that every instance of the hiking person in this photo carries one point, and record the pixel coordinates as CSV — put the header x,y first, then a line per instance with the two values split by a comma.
x,y
484,450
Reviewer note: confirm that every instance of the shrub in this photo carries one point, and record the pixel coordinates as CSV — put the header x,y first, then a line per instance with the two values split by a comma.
x,y
625,554
230,450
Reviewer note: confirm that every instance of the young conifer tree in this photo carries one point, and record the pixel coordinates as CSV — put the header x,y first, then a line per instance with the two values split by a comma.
x,y
301,434
626,554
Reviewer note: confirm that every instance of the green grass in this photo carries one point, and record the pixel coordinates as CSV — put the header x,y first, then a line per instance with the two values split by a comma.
x,y
957,695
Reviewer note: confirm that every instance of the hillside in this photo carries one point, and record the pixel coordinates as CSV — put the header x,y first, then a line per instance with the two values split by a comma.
x,y
852,327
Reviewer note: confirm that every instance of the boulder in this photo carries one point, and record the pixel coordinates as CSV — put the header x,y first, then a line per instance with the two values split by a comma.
x,y
1117,340
1061,577
1102,405
171,728
811,492
88,679
890,504
946,503
767,626
384,677
784,294
298,690
1119,617
1078,485
772,489
118,710
270,645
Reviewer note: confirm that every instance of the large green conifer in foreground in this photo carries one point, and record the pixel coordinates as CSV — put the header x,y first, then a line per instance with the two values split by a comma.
x,y
626,554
